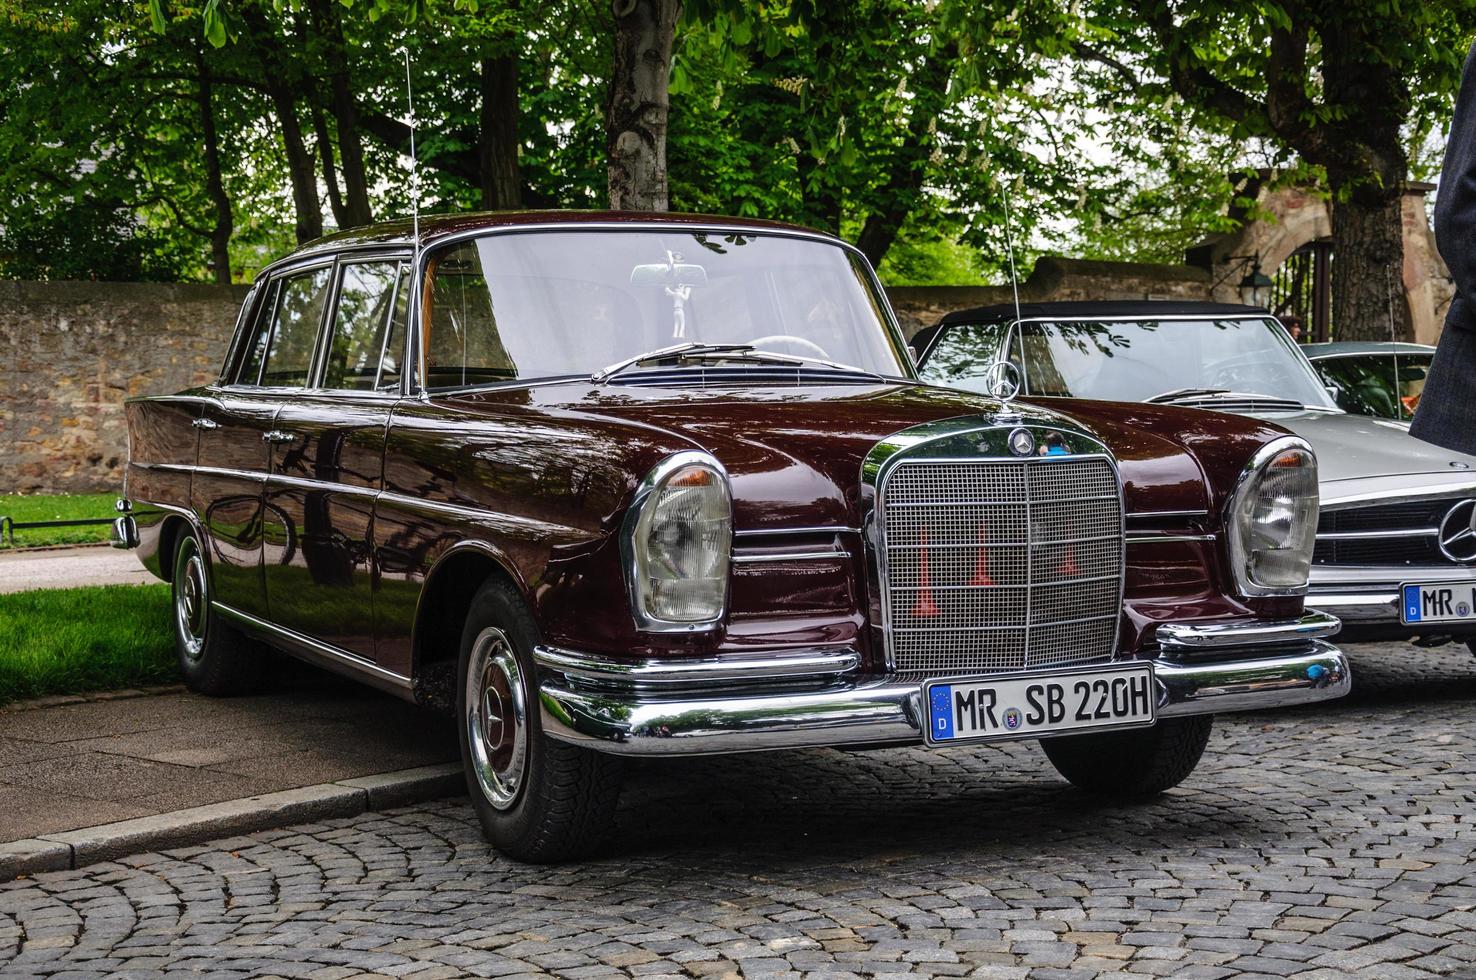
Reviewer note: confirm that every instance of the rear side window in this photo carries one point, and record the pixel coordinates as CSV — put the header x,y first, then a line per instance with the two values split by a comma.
x,y
364,327
282,357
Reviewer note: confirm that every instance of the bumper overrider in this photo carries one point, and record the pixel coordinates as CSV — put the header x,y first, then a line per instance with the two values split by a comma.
x,y
794,699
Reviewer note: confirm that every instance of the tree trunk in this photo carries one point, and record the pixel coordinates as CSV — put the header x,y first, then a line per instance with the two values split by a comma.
x,y
1368,297
220,234
330,174
497,138
300,167
357,210
903,188
636,111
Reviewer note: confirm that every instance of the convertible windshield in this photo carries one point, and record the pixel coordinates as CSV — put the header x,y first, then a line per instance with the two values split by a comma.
x,y
551,304
1135,360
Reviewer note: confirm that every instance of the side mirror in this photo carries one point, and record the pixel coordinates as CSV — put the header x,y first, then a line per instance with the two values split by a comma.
x,y
662,274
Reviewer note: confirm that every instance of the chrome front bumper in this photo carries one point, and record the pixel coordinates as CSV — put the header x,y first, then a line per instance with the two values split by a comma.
x,y
1369,595
816,698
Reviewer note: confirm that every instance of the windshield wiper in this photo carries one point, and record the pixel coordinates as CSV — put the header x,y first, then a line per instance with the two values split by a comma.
x,y
1173,395
1221,394
696,351
661,353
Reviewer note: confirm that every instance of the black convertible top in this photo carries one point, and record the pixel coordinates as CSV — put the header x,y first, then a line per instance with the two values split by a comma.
x,y
1083,310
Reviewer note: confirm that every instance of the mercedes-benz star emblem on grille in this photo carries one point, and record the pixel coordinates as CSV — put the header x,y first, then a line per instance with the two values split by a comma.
x,y
1458,532
1002,381
1022,443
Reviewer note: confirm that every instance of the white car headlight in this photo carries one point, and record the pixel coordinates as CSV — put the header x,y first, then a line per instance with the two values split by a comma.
x,y
678,539
1272,520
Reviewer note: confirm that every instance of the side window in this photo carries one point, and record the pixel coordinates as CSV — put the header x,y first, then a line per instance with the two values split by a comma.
x,y
366,301
963,355
394,345
299,311
464,346
260,335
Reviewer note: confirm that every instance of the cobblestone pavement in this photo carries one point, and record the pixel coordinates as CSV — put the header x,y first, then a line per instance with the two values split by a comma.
x,y
1317,844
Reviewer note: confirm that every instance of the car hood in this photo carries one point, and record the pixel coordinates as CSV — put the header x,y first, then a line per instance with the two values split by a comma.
x,y
794,454
1359,455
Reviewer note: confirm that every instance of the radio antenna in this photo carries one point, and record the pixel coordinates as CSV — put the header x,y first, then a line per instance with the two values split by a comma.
x,y
1010,248
414,170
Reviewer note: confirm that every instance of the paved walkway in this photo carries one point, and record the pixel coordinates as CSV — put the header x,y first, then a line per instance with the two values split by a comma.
x,y
80,765
1321,844
65,568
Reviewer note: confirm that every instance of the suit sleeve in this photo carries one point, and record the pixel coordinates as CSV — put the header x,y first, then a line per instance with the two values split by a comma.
x,y
1455,204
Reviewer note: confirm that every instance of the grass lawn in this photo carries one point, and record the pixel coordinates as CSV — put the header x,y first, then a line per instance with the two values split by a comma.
x,y
70,641
66,507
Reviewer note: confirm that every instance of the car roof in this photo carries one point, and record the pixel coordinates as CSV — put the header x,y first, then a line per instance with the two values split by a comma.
x,y
1343,348
437,227
1107,309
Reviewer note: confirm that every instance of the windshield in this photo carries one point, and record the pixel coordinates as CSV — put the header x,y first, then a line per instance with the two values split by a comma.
x,y
1373,384
1134,360
550,304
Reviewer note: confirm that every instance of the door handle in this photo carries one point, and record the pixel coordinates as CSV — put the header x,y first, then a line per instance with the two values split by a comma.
x,y
205,424
275,436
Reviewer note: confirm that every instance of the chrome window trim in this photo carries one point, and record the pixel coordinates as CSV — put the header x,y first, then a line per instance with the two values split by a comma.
x,y
1253,466
645,490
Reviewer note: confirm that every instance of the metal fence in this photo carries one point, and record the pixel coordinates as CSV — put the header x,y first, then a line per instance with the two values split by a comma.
x,y
9,526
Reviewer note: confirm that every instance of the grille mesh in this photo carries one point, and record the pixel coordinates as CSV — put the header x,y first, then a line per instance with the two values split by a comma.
x,y
994,566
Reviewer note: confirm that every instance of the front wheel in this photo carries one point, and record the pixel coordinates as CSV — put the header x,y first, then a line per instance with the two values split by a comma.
x,y
213,658
538,799
1133,764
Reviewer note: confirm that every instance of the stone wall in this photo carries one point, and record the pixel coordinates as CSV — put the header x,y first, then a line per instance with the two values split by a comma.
x,y
1054,278
75,350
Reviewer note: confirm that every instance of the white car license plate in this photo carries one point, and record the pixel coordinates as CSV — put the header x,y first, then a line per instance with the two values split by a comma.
x,y
1437,602
1039,703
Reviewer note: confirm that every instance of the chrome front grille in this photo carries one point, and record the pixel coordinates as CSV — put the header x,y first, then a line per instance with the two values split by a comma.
x,y
1401,533
1001,565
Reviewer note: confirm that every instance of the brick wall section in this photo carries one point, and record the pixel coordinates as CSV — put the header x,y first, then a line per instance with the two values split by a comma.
x,y
75,350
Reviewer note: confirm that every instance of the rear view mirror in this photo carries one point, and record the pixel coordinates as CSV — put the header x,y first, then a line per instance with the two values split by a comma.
x,y
668,274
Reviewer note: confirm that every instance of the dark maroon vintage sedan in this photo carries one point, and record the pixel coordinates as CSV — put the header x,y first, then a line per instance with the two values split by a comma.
x,y
610,485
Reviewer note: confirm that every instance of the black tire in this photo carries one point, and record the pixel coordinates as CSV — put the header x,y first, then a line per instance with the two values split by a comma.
x,y
1132,765
560,804
214,658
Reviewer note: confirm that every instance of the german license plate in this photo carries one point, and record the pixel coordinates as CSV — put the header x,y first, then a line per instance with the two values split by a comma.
x,y
1039,703
1437,602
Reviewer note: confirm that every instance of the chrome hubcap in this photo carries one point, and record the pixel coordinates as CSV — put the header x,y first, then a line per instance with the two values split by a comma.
x,y
496,718
191,599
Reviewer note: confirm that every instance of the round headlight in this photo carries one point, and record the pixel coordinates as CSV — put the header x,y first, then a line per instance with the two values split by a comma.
x,y
679,543
1272,520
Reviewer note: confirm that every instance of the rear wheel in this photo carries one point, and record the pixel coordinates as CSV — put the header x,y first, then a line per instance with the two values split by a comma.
x,y
538,799
1133,764
214,658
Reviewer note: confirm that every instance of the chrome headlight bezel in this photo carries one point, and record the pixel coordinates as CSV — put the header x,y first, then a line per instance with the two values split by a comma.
x,y
1237,528
635,543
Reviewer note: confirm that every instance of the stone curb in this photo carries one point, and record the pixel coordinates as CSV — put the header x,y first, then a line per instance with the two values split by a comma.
x,y
345,798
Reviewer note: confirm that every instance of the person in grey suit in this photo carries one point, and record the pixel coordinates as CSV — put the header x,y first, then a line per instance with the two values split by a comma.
x,y
1447,412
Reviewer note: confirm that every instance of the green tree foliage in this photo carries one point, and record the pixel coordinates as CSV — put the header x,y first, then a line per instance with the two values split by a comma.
x,y
901,125
1342,86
